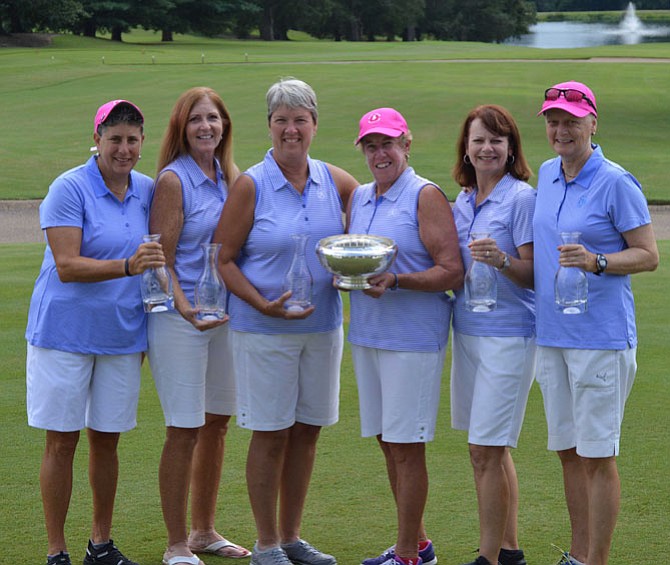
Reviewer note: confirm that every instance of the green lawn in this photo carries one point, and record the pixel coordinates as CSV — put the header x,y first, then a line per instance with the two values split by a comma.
x,y
49,97
349,510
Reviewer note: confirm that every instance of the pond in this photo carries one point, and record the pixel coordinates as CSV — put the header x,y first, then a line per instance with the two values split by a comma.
x,y
552,35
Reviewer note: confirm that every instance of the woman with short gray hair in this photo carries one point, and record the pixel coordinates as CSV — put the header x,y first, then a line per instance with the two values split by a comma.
x,y
286,356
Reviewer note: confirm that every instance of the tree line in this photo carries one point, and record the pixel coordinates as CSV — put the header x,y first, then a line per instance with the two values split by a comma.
x,y
351,20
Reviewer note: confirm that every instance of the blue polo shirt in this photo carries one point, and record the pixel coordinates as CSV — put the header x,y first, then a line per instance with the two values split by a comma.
x,y
603,202
202,201
265,258
507,215
94,317
400,320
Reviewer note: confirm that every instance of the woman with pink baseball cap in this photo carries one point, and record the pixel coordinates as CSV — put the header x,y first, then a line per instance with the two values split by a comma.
x,y
586,361
400,327
86,326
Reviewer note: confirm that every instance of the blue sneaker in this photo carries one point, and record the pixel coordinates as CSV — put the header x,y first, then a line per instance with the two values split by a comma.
x,y
427,555
566,558
395,560
303,553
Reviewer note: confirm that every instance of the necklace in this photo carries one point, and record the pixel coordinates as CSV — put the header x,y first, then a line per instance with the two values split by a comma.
x,y
119,193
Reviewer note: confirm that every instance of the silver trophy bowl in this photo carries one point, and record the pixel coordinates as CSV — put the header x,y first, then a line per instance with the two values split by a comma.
x,y
353,258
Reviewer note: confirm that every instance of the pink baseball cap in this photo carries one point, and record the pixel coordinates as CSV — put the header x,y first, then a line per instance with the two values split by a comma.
x,y
106,109
566,96
382,120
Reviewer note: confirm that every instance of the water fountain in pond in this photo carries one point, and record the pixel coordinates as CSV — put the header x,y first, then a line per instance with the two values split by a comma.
x,y
631,23
631,30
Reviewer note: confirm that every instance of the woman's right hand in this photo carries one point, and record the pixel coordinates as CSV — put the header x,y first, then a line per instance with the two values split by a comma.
x,y
147,256
275,309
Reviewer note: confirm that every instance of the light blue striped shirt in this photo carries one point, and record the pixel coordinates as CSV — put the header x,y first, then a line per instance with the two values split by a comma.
x,y
203,201
400,320
507,215
280,212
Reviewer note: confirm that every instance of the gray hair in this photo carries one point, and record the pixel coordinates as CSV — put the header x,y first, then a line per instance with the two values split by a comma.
x,y
292,93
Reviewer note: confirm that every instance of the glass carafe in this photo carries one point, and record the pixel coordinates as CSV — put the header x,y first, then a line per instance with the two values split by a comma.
x,y
298,279
156,284
570,283
481,284
210,292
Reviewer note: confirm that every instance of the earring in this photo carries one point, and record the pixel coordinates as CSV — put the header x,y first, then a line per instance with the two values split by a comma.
x,y
510,160
466,159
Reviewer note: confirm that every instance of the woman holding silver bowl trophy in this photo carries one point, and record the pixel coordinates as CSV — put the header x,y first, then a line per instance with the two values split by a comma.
x,y
287,347
400,324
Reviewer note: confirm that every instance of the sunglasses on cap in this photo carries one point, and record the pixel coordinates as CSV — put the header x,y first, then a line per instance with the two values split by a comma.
x,y
570,94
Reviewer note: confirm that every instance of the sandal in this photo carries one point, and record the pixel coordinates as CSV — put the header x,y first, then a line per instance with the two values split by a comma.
x,y
224,548
177,559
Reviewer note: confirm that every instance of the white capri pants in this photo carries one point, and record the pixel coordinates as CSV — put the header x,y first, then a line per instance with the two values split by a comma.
x,y
398,393
193,370
67,392
585,392
287,378
490,381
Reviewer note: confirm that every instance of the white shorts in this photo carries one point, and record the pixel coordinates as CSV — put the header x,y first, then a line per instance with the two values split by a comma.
x,y
490,382
287,378
585,391
67,392
193,370
398,393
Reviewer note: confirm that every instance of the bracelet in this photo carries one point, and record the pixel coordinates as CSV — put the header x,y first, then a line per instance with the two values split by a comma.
x,y
126,267
394,286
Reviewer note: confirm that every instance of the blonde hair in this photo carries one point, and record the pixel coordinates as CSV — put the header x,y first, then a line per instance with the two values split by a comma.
x,y
175,143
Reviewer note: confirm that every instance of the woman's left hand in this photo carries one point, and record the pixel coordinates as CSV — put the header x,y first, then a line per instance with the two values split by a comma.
x,y
380,284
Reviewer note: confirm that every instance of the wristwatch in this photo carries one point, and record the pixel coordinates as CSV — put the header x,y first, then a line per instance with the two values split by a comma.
x,y
601,263
505,263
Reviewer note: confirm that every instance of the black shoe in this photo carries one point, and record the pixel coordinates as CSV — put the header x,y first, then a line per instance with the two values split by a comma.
x,y
481,560
107,555
512,557
62,558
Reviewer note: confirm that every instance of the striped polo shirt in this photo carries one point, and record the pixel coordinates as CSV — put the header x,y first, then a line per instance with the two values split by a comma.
x,y
203,201
280,212
400,320
507,215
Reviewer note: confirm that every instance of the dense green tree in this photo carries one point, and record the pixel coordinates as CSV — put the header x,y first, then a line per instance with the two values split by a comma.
x,y
478,20
22,16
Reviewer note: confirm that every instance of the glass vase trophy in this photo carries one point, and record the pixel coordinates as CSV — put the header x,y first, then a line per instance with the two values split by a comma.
x,y
298,279
156,285
481,284
210,292
570,284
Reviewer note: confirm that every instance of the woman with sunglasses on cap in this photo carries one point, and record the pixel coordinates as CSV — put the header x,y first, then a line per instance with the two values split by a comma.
x,y
86,325
287,359
586,361
400,326
493,352
190,357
